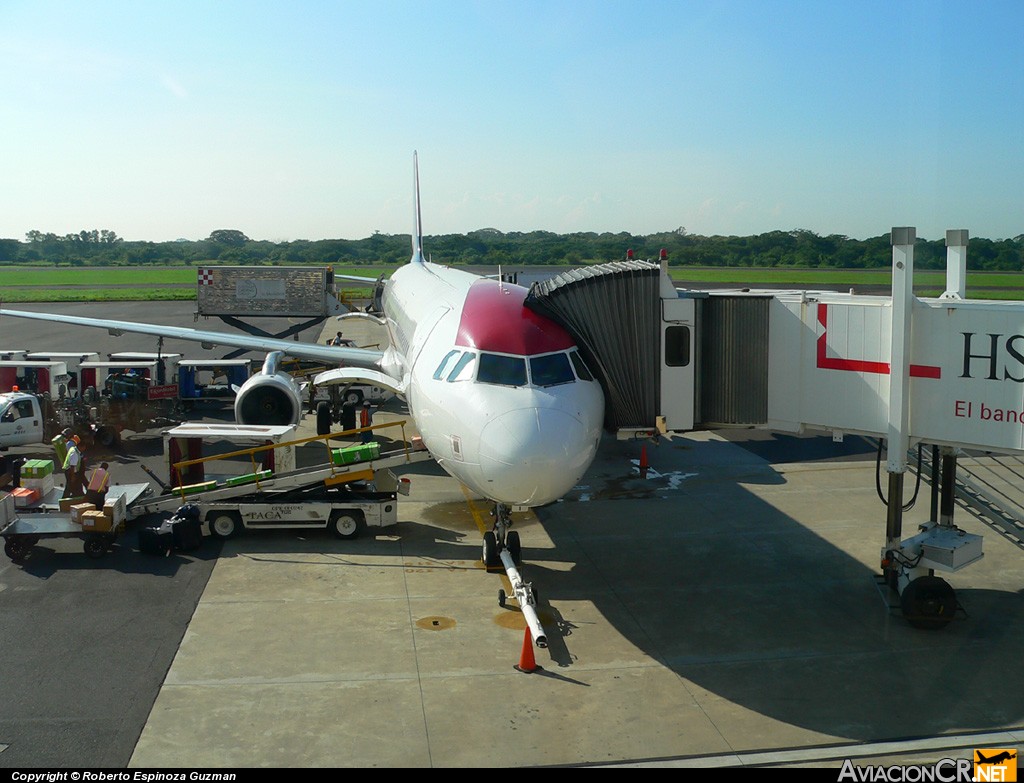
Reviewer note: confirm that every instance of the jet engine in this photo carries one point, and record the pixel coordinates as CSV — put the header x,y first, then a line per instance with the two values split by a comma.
x,y
270,396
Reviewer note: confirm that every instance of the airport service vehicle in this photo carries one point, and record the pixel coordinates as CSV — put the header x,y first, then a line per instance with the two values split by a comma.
x,y
353,488
343,511
22,531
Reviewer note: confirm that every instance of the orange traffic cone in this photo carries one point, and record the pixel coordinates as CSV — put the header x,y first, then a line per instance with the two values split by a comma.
x,y
527,663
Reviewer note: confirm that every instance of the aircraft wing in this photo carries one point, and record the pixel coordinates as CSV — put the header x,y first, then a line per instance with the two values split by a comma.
x,y
358,279
354,357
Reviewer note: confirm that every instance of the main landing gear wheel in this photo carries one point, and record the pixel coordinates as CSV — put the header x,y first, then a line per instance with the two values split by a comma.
x,y
323,417
225,526
928,602
490,550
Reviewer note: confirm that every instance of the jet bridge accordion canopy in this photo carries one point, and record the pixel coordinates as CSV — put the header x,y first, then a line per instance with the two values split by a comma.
x,y
613,312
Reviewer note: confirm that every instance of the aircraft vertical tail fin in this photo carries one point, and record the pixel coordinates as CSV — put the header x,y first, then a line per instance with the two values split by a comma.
x,y
417,234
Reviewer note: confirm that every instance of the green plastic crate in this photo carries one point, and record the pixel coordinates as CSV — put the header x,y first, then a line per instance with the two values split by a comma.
x,y
37,468
248,478
353,454
192,489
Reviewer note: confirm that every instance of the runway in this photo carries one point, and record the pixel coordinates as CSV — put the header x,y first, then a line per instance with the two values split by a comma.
x,y
723,610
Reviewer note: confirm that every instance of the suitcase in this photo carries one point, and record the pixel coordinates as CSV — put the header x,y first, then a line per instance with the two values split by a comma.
x,y
186,533
157,540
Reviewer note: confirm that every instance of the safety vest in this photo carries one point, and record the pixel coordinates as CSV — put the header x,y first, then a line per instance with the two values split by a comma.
x,y
364,417
72,458
98,480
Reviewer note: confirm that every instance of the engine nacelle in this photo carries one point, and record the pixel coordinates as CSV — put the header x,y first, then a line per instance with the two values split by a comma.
x,y
269,397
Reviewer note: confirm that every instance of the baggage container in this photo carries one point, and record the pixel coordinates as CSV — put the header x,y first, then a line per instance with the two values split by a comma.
x,y
78,509
249,478
192,489
95,522
351,454
24,497
65,504
44,484
37,468
116,510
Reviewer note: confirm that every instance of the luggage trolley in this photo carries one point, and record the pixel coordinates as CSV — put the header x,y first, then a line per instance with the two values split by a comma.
x,y
27,530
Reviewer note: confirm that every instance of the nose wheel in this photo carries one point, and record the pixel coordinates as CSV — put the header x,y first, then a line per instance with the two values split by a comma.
x,y
501,538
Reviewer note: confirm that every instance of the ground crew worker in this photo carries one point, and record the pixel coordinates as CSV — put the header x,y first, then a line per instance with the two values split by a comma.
x,y
365,420
72,476
96,489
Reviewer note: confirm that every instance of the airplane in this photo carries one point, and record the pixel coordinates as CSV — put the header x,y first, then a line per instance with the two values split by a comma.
x,y
996,759
500,395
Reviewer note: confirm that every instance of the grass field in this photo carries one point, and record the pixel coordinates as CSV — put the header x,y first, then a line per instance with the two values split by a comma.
x,y
62,284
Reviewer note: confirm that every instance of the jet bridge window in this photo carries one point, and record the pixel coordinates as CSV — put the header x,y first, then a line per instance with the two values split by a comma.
x,y
551,370
677,346
502,370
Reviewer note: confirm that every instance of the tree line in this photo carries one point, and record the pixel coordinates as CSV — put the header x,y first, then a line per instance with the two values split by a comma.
x,y
798,248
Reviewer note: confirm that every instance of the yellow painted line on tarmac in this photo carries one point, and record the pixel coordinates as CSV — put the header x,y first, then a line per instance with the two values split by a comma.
x,y
481,525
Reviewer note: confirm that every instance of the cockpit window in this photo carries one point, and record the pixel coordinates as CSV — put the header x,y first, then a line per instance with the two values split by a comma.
x,y
502,370
463,370
551,370
582,371
444,365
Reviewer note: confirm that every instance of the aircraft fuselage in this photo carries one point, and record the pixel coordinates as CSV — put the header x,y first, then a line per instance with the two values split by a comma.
x,y
499,393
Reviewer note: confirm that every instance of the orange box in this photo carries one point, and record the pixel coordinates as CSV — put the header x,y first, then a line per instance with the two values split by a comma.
x,y
23,496
95,521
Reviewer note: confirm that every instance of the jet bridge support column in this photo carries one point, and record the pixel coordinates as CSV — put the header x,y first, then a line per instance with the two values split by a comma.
x,y
956,264
927,601
899,387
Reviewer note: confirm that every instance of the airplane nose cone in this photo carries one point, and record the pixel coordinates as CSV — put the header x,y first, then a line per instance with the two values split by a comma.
x,y
534,456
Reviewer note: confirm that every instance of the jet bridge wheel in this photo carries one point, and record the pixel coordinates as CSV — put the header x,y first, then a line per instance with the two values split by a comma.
x,y
928,602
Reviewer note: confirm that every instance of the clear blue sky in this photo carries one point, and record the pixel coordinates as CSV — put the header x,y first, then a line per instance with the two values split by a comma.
x,y
299,120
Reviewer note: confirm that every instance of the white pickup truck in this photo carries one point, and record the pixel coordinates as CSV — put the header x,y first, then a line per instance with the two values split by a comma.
x,y
22,420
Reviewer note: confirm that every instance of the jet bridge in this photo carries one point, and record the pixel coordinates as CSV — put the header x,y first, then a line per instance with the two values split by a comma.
x,y
946,371
634,332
